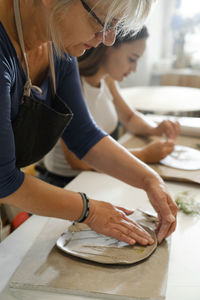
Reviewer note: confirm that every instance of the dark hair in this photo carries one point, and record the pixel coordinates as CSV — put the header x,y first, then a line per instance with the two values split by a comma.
x,y
91,60
131,36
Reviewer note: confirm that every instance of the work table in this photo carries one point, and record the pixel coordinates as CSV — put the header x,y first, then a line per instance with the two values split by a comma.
x,y
184,263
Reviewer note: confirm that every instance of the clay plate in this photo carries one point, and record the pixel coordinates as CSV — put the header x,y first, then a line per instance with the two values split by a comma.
x,y
81,241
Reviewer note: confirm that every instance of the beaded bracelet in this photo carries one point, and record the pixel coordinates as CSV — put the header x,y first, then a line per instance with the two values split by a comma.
x,y
86,208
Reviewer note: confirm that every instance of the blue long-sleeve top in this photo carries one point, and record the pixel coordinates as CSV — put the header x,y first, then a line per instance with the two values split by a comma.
x,y
81,134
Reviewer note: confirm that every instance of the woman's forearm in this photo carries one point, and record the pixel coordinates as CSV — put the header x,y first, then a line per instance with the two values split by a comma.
x,y
139,153
41,198
109,157
138,124
44,199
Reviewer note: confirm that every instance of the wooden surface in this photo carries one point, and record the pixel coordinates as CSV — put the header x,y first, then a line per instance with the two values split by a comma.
x,y
130,141
187,80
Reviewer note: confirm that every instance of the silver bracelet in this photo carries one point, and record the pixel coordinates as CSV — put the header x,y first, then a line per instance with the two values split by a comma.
x,y
86,208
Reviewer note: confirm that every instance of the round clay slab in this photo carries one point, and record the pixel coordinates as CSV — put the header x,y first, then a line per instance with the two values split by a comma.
x,y
184,158
81,241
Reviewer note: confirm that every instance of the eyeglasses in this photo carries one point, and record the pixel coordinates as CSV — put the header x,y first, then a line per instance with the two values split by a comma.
x,y
109,27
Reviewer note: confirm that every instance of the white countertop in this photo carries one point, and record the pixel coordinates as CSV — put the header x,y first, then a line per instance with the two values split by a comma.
x,y
163,99
184,263
189,126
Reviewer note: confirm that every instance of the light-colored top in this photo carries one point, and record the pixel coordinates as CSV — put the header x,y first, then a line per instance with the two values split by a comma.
x,y
101,106
56,163
102,109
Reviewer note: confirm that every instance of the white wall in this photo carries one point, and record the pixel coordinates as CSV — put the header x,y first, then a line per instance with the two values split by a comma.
x,y
158,44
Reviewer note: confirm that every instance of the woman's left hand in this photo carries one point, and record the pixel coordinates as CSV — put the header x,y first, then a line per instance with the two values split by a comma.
x,y
165,208
169,128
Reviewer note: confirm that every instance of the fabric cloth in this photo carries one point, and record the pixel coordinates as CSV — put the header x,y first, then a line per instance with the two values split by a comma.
x,y
80,135
102,109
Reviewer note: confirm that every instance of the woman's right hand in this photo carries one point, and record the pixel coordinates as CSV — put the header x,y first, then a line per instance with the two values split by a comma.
x,y
155,151
113,221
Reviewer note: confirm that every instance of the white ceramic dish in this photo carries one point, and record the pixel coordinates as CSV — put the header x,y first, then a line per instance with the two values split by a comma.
x,y
184,158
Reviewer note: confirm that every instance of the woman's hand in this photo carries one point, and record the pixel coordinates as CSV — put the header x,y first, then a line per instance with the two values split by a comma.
x,y
169,128
165,207
154,152
113,221
108,157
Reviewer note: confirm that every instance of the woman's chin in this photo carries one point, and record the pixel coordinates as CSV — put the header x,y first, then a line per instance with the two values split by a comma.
x,y
116,77
75,51
119,79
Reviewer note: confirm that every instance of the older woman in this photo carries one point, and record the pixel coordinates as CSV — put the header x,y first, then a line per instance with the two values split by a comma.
x,y
37,84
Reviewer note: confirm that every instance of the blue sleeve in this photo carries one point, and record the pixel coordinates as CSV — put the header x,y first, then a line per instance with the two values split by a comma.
x,y
82,133
10,177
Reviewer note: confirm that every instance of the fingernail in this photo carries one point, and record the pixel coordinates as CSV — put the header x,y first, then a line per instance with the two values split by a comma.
x,y
132,242
151,240
145,242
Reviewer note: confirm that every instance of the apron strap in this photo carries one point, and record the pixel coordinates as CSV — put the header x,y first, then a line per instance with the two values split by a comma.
x,y
28,85
52,67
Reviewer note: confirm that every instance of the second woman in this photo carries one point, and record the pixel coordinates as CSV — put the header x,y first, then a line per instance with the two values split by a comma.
x,y
100,69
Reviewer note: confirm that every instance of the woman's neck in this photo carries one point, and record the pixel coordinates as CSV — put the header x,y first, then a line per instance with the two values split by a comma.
x,y
95,80
32,24
33,18
7,18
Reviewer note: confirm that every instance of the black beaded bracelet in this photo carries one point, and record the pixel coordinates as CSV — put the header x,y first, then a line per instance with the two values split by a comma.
x,y
86,208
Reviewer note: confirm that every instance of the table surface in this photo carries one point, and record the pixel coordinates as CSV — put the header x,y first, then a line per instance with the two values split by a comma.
x,y
184,263
163,99
190,127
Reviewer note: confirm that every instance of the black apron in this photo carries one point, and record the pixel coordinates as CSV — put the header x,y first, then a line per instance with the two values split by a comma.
x,y
37,126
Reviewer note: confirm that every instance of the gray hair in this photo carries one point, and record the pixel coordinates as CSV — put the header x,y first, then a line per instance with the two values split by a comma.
x,y
135,13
